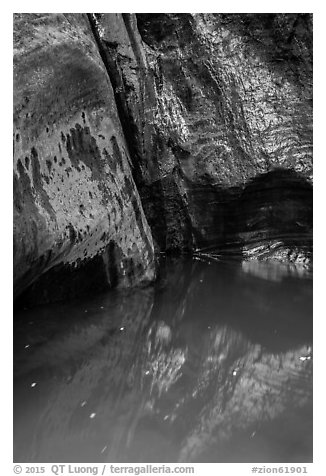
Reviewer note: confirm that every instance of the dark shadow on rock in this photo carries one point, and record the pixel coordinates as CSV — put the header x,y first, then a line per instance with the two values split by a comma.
x,y
275,206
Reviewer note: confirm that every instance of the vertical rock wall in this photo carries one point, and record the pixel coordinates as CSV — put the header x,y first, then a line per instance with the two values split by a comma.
x,y
200,122
76,208
212,101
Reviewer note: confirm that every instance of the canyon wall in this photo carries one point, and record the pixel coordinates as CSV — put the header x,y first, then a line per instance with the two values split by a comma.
x,y
165,132
211,102
77,211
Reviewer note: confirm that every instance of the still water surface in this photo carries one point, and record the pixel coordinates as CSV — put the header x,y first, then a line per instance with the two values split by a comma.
x,y
212,364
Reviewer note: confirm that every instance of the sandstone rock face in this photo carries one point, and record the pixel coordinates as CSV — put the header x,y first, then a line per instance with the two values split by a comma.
x,y
76,207
200,122
212,101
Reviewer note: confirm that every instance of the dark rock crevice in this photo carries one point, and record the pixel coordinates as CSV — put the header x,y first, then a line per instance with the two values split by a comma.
x,y
107,51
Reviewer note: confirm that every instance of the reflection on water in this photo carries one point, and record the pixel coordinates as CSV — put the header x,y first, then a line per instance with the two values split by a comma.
x,y
274,271
213,364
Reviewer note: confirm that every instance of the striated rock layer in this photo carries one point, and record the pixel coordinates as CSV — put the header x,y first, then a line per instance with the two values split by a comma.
x,y
200,122
76,208
210,102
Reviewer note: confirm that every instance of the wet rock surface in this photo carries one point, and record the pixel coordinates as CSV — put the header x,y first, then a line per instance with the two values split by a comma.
x,y
173,132
163,133
77,211
212,101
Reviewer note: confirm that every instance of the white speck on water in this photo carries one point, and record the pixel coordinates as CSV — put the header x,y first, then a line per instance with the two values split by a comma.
x,y
103,449
83,403
208,327
86,310
33,384
200,280
26,346
147,372
102,307
92,415
252,434
234,373
305,357
166,417
122,328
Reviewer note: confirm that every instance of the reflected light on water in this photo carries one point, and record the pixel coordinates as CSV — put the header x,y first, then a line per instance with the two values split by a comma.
x,y
190,369
274,271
